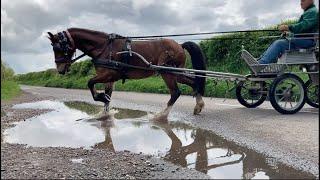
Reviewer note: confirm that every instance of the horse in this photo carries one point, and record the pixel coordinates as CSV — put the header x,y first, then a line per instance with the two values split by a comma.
x,y
103,46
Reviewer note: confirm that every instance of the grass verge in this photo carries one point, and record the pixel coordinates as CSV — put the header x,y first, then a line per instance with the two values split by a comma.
x,y
9,89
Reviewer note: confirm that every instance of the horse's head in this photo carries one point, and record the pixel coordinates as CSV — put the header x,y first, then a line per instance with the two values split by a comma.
x,y
63,48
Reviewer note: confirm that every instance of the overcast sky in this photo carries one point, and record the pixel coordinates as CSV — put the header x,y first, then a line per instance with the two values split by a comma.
x,y
24,24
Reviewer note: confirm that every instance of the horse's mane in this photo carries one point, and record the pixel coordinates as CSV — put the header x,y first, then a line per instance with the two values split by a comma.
x,y
94,32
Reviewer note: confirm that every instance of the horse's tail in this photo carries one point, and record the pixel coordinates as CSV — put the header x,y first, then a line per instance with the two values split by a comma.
x,y
198,62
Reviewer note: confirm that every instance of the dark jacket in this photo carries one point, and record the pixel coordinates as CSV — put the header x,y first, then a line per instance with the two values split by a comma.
x,y
308,22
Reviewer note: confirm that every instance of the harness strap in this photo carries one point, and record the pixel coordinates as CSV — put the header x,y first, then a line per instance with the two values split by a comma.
x,y
116,65
125,59
73,46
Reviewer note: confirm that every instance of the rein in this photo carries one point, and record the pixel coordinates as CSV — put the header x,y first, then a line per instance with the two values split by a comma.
x,y
204,33
65,36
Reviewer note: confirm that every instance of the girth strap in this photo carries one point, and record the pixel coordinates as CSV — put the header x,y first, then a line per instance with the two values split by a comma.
x,y
116,65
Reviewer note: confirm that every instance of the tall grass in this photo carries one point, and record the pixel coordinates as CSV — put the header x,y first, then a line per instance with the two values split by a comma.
x,y
9,88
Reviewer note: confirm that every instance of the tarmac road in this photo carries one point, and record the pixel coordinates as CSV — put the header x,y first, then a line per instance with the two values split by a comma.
x,y
291,139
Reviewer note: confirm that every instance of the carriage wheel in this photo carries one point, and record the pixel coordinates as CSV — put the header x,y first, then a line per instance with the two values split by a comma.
x,y
287,94
249,94
312,94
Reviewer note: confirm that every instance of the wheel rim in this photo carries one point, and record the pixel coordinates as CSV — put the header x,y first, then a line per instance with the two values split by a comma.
x,y
289,94
250,94
313,93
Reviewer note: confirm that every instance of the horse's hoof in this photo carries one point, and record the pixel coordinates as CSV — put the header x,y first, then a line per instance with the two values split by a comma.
x,y
197,110
160,118
106,115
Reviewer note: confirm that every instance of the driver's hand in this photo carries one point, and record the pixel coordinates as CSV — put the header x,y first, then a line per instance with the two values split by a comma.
x,y
284,28
285,34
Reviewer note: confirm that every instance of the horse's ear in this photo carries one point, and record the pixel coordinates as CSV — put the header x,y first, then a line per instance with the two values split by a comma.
x,y
50,36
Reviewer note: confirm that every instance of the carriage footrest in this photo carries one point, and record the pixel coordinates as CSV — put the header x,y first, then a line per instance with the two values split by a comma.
x,y
258,68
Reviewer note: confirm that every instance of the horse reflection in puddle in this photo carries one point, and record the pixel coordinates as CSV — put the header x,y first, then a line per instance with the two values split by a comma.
x,y
177,153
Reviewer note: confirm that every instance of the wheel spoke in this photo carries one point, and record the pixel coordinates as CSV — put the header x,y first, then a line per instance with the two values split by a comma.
x,y
246,93
281,99
296,98
291,104
251,94
244,87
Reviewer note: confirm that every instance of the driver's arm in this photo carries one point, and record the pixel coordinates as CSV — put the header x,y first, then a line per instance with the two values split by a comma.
x,y
308,22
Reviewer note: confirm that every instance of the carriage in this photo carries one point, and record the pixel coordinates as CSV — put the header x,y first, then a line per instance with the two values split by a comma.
x,y
282,83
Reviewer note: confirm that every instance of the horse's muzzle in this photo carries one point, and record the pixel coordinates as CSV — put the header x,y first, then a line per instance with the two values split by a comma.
x,y
65,70
62,72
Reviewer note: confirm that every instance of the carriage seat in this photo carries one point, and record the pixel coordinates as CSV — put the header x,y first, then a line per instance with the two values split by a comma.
x,y
299,56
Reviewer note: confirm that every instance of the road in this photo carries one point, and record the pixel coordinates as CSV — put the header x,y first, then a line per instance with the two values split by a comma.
x,y
291,139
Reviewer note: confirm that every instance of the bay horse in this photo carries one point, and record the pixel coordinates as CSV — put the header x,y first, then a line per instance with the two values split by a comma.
x,y
100,45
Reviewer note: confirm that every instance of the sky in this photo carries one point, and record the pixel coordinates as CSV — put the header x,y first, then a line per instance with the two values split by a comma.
x,y
25,47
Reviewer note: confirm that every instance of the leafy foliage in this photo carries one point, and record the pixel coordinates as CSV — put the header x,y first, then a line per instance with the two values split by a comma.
x,y
6,72
9,88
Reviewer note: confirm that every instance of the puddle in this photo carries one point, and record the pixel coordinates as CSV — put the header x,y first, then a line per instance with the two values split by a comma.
x,y
73,124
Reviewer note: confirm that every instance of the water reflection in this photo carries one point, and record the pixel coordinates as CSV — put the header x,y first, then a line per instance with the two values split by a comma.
x,y
72,124
198,149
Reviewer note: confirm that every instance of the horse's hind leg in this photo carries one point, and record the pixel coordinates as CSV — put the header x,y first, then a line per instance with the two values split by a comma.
x,y
191,82
171,82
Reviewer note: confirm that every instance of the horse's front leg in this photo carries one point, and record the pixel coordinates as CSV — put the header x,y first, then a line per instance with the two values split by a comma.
x,y
108,92
108,77
98,96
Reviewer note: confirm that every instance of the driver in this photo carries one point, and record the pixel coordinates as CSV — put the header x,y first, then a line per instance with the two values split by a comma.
x,y
308,23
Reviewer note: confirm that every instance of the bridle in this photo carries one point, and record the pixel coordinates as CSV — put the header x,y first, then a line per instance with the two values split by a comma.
x,y
65,45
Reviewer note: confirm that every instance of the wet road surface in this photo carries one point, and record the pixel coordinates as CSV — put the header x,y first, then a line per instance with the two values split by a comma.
x,y
20,161
291,140
77,125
